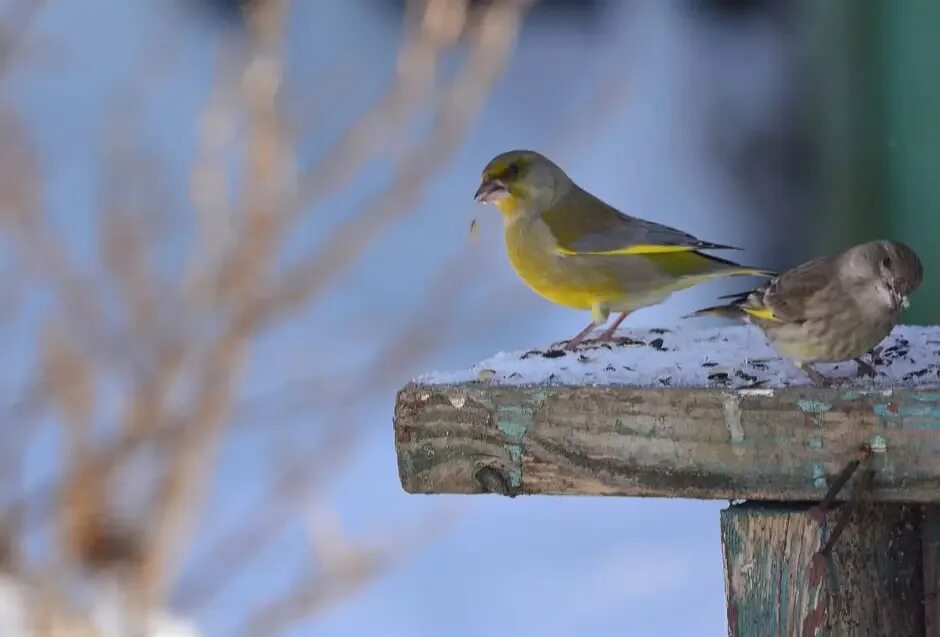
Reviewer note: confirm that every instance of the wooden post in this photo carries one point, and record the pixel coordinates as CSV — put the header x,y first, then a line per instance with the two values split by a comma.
x,y
770,445
777,584
930,532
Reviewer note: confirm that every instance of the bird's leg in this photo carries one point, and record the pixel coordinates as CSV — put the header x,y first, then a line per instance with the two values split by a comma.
x,y
818,378
864,369
573,343
608,334
599,314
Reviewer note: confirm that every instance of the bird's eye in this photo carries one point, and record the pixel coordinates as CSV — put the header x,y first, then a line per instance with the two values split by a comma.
x,y
512,170
886,262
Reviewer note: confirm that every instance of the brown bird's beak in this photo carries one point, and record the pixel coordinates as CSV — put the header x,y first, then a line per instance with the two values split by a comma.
x,y
898,300
490,190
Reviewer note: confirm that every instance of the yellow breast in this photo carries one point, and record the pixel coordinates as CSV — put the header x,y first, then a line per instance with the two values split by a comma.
x,y
568,281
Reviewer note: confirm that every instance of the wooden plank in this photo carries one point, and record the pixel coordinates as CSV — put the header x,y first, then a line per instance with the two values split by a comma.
x,y
871,585
783,444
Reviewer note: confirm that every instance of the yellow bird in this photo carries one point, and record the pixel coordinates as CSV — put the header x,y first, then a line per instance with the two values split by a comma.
x,y
575,250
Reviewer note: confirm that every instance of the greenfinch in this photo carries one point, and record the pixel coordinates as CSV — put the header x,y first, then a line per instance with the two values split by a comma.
x,y
834,308
577,251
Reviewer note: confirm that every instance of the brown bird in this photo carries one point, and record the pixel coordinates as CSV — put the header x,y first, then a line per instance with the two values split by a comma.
x,y
834,308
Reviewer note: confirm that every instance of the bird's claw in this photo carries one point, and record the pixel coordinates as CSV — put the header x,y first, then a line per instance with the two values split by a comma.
x,y
585,343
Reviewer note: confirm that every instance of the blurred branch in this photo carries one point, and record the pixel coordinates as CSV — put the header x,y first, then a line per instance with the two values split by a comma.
x,y
180,496
344,568
491,44
233,553
126,249
39,250
14,25
141,372
430,27
420,334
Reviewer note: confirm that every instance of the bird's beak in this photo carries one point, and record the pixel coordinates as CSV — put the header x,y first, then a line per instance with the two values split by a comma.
x,y
900,300
491,190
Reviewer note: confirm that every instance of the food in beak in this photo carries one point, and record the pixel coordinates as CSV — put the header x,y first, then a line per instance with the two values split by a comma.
x,y
900,300
490,190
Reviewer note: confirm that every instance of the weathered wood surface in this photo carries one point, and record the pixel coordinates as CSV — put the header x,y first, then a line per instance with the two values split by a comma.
x,y
872,584
930,532
783,444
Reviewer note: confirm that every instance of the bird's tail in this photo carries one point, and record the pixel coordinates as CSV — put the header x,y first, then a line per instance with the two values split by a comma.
x,y
730,310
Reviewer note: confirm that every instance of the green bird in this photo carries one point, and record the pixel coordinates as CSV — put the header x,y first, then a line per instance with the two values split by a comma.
x,y
833,308
579,252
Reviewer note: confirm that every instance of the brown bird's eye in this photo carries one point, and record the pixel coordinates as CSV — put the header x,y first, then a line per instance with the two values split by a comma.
x,y
512,170
886,262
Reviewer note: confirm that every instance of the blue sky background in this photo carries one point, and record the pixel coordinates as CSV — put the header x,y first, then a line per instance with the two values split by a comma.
x,y
635,106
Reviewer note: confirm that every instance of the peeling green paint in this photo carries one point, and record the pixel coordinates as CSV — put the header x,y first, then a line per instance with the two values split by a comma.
x,y
815,442
927,416
774,586
919,410
514,472
878,444
813,406
514,421
854,394
732,410
884,410
819,476
760,576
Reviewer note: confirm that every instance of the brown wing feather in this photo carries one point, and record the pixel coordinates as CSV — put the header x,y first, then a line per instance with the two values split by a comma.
x,y
787,296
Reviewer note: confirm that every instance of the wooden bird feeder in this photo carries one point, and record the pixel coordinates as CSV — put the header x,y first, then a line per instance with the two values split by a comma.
x,y
732,422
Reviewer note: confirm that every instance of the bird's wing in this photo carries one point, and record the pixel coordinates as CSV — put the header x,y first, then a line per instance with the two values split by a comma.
x,y
787,297
583,224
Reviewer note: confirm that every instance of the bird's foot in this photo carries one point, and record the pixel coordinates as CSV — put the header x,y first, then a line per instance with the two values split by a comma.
x,y
575,342
580,345
818,378
864,369
564,346
607,335
582,340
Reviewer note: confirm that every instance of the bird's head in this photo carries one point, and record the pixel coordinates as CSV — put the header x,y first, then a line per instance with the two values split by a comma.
x,y
521,181
895,267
